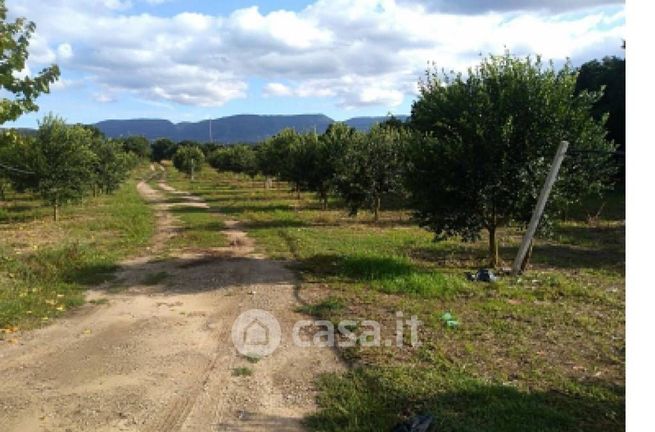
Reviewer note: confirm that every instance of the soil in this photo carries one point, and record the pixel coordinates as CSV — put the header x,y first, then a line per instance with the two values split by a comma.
x,y
159,357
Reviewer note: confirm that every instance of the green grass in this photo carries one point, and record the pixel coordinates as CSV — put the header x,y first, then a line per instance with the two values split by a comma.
x,y
323,309
538,352
45,267
371,399
200,229
252,358
242,372
100,301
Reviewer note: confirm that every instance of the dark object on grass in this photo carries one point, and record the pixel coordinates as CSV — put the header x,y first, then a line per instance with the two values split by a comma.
x,y
419,423
483,275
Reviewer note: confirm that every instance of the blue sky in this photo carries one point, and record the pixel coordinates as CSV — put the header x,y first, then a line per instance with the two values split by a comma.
x,y
192,60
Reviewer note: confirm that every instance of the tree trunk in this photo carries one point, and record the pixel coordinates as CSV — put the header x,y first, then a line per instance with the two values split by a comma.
x,y
55,211
493,248
376,209
323,198
526,260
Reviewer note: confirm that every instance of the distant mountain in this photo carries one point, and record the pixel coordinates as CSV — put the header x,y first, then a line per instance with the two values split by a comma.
x,y
247,128
149,128
250,128
232,129
23,131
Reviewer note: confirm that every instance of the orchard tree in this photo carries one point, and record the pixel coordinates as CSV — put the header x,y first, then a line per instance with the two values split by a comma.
x,y
188,159
371,167
236,158
490,137
4,184
60,162
111,166
302,158
210,147
608,75
14,170
276,157
162,149
8,164
324,158
138,145
17,91
394,122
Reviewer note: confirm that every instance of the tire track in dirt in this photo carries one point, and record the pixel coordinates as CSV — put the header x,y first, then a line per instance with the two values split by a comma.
x,y
159,357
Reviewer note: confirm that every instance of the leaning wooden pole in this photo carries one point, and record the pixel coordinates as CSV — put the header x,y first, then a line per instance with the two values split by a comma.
x,y
539,208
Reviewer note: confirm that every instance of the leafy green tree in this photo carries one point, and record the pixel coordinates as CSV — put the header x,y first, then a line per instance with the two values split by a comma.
x,y
189,143
21,90
276,157
17,92
112,164
4,185
394,122
209,148
7,164
60,161
188,159
236,158
323,158
608,76
13,169
162,149
138,145
372,166
302,157
491,136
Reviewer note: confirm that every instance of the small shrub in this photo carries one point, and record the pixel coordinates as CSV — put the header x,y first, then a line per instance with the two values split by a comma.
x,y
241,371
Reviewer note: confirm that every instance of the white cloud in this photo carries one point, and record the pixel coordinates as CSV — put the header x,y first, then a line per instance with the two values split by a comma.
x,y
64,51
366,52
104,98
116,4
65,83
277,89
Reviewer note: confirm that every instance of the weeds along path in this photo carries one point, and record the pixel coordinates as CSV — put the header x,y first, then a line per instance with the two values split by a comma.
x,y
152,350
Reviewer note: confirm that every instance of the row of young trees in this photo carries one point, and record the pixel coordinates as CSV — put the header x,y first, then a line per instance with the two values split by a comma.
x,y
63,163
471,158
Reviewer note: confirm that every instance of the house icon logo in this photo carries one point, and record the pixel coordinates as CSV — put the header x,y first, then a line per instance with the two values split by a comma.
x,y
256,332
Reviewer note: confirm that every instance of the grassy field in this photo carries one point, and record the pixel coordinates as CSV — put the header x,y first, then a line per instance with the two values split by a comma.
x,y
45,267
540,352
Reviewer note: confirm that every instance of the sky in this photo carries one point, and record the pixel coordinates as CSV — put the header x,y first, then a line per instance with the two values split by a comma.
x,y
189,60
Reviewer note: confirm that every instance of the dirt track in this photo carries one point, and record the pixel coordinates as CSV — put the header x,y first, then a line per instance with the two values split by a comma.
x,y
160,357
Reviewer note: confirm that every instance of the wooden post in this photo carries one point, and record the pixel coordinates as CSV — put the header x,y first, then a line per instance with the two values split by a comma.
x,y
539,208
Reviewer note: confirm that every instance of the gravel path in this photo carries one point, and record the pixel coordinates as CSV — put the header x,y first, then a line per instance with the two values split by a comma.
x,y
160,357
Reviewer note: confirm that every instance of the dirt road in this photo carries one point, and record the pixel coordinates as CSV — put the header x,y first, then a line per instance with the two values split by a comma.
x,y
154,351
